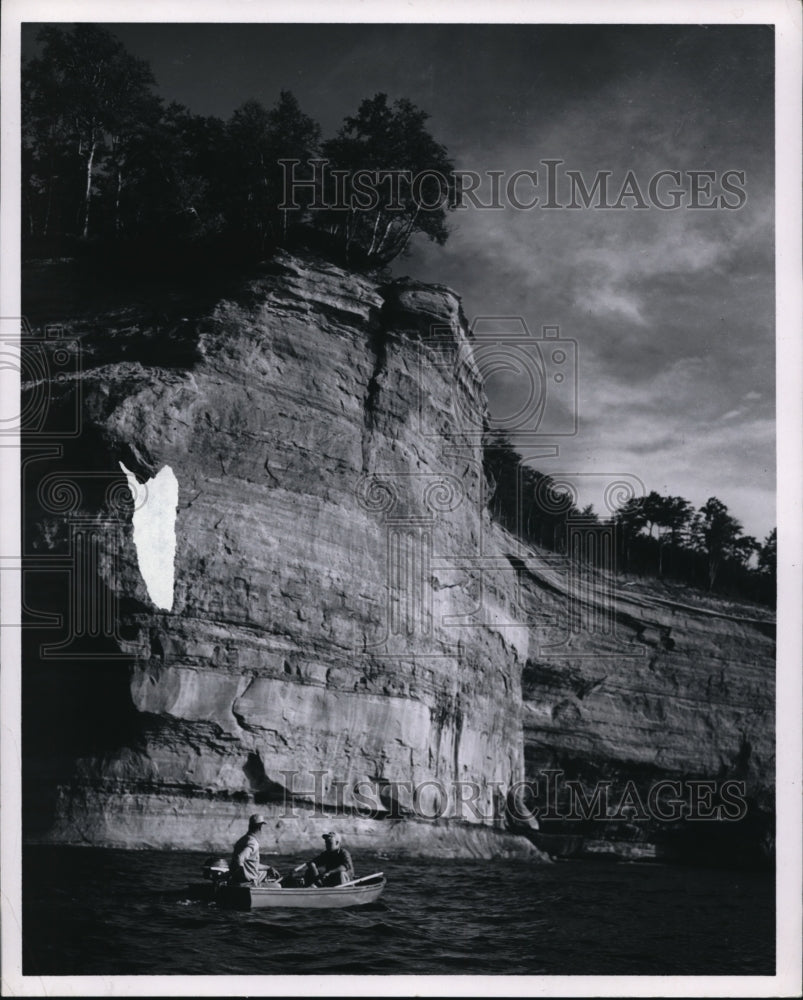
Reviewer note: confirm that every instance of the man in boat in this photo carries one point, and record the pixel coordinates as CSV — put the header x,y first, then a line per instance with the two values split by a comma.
x,y
333,866
245,865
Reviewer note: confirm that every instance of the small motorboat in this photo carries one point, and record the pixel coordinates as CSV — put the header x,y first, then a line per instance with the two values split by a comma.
x,y
357,892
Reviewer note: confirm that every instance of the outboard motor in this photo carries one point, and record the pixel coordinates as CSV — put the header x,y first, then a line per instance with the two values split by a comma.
x,y
216,870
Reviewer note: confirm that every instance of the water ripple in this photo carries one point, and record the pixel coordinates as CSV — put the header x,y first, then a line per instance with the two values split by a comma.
x,y
93,912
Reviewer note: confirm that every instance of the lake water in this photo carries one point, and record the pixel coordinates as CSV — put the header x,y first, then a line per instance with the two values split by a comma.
x,y
93,912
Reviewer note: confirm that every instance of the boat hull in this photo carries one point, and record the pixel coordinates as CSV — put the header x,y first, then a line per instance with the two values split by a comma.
x,y
267,897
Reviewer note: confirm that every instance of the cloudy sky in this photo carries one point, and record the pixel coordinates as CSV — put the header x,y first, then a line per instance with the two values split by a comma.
x,y
672,311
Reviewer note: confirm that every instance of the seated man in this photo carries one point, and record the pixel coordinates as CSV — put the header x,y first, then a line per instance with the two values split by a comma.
x,y
245,865
333,867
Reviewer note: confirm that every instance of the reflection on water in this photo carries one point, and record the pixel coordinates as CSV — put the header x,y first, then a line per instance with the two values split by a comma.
x,y
91,912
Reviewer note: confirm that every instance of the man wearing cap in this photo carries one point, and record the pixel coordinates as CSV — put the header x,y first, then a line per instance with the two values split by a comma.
x,y
332,867
245,865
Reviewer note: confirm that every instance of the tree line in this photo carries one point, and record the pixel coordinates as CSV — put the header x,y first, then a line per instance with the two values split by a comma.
x,y
106,159
655,535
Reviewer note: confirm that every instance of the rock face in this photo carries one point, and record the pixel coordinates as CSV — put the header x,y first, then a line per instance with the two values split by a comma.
x,y
333,643
629,684
350,636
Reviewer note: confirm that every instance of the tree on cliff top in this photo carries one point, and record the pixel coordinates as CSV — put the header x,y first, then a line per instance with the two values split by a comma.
x,y
717,534
768,554
87,87
259,139
671,515
396,181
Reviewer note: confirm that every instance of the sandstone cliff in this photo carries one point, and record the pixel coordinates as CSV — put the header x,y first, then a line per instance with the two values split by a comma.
x,y
646,683
334,641
349,635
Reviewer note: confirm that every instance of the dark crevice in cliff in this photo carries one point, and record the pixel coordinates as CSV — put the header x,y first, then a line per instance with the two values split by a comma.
x,y
523,570
458,732
378,340
538,677
379,346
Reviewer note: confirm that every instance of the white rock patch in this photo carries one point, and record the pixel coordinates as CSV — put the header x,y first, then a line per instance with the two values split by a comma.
x,y
154,521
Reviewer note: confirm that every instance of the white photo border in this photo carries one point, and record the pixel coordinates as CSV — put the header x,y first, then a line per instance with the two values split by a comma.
x,y
786,19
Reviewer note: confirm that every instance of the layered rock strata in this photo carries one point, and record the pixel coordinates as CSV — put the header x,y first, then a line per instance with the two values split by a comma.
x,y
669,691
335,640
